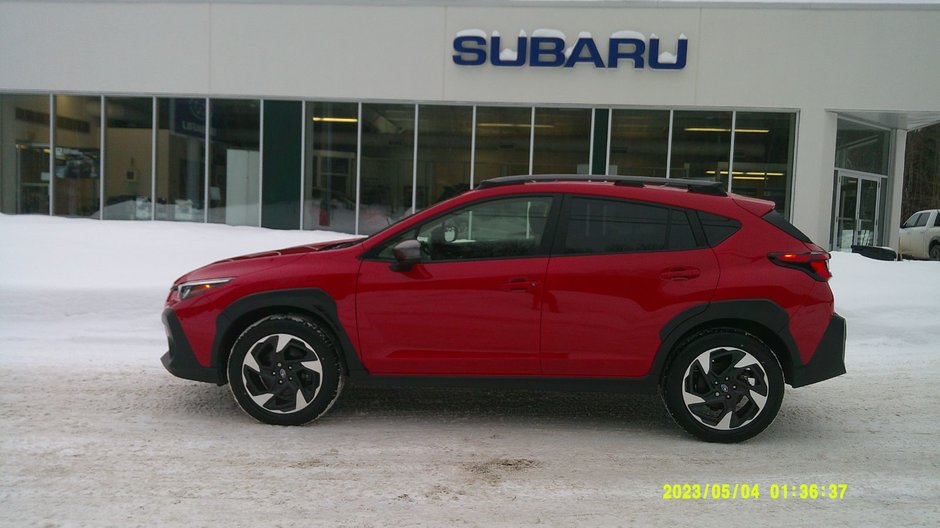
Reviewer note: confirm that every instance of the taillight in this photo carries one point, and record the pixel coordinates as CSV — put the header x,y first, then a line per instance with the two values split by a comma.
x,y
814,263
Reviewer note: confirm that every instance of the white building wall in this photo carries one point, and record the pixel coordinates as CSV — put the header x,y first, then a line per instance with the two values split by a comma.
x,y
808,58
814,173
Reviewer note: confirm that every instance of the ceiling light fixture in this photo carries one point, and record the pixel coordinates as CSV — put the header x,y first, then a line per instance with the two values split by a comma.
x,y
737,130
318,119
742,173
512,125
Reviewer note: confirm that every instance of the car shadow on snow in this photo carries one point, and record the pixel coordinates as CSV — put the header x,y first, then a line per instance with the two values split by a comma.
x,y
461,405
448,405
638,412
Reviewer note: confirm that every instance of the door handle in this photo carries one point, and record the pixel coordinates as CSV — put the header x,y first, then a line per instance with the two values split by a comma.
x,y
680,273
518,284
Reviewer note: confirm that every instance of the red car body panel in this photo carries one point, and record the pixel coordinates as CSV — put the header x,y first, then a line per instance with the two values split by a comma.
x,y
602,314
548,316
452,318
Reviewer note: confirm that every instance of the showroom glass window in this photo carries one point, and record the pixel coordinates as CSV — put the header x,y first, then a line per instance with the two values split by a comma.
x,y
181,159
24,154
639,142
128,140
444,141
234,163
763,156
562,141
862,148
77,170
503,137
329,200
387,169
701,145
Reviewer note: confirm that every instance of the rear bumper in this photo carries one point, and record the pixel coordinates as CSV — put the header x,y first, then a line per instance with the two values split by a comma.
x,y
829,359
179,360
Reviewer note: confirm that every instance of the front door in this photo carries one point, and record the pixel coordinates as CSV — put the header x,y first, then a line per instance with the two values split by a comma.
x,y
472,306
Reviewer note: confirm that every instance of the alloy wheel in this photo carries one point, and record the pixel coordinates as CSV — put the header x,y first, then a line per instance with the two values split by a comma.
x,y
725,388
282,373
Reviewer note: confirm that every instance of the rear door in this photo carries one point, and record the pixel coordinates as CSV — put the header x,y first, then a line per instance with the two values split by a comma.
x,y
619,271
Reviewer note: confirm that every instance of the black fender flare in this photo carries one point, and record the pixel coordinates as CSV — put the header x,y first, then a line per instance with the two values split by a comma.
x,y
303,301
761,317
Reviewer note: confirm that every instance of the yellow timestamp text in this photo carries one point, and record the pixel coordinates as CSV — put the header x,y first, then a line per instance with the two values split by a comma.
x,y
753,491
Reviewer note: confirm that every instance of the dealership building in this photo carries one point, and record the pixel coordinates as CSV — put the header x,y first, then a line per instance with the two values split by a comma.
x,y
349,115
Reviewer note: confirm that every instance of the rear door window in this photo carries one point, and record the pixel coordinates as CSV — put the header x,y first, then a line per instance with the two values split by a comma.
x,y
597,226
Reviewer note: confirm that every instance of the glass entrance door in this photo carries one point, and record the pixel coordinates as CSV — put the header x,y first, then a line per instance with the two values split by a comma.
x,y
846,212
858,210
866,232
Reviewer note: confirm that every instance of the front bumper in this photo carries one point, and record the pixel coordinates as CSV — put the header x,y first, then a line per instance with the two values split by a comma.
x,y
179,360
829,359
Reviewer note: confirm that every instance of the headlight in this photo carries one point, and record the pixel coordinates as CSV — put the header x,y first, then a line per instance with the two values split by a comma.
x,y
194,288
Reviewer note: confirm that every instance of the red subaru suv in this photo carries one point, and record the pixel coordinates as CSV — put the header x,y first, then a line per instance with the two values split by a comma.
x,y
557,282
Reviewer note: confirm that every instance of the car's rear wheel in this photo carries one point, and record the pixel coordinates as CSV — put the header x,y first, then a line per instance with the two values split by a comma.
x,y
284,370
935,252
724,386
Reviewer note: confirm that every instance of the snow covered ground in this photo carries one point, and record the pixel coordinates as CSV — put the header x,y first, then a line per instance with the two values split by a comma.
x,y
94,432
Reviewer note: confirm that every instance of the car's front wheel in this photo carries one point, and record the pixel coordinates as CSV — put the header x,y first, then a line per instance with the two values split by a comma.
x,y
285,370
724,386
934,252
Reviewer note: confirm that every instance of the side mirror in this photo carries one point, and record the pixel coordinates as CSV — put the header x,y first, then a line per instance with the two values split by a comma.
x,y
407,254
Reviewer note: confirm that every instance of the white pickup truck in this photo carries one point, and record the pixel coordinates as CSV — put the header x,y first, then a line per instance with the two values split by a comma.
x,y
920,235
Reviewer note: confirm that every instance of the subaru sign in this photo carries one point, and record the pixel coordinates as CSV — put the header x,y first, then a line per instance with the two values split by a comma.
x,y
549,48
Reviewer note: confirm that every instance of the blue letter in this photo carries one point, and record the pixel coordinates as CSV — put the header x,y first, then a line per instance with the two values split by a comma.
x,y
681,51
496,60
469,55
593,55
614,54
556,51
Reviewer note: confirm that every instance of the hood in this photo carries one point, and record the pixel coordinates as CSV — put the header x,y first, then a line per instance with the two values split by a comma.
x,y
245,264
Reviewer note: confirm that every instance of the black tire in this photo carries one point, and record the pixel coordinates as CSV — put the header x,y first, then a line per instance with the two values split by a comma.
x,y
738,395
285,370
934,252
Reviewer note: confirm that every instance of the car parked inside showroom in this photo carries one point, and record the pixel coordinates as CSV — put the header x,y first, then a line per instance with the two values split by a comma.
x,y
555,282
920,235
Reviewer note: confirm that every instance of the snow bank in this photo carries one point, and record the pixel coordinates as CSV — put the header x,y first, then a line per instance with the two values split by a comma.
x,y
73,253
94,432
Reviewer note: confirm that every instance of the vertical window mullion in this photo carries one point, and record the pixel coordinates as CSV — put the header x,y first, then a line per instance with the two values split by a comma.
x,y
414,164
669,147
532,140
102,161
591,150
473,146
261,161
358,162
52,145
153,158
610,121
734,118
303,157
206,164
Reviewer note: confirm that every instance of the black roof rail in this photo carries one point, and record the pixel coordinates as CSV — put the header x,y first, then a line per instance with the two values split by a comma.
x,y
715,188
